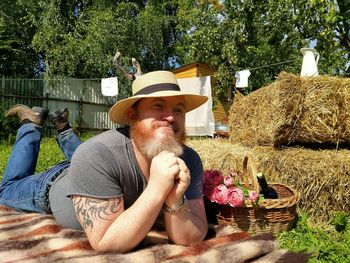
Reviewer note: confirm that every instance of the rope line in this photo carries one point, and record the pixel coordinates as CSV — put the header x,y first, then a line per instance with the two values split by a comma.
x,y
274,64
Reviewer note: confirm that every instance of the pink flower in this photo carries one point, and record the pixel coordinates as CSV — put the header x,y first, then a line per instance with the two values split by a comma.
x,y
226,190
253,196
220,194
235,197
228,181
209,191
213,177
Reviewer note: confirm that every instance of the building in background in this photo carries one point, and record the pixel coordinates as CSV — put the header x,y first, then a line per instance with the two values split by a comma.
x,y
220,107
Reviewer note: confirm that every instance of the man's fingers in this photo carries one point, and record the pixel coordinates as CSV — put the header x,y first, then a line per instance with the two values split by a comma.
x,y
182,165
172,161
184,174
168,158
184,177
174,170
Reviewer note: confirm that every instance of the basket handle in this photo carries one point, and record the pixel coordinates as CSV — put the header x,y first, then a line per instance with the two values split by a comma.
x,y
249,166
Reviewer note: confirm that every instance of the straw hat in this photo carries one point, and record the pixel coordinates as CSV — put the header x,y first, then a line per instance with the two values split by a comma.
x,y
151,85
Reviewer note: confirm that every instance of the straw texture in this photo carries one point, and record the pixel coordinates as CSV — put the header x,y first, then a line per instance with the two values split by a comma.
x,y
293,110
320,176
298,131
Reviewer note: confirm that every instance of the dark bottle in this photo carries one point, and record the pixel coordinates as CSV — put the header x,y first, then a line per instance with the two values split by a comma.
x,y
265,190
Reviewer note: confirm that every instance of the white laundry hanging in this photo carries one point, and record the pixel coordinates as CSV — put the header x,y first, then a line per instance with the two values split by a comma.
x,y
109,86
200,121
242,78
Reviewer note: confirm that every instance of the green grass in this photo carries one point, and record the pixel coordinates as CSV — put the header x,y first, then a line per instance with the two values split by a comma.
x,y
49,155
325,242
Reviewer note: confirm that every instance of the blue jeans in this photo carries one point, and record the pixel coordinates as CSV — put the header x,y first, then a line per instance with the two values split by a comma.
x,y
23,190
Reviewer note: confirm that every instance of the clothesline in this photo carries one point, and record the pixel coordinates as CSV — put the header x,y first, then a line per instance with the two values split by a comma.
x,y
243,75
99,79
274,64
264,66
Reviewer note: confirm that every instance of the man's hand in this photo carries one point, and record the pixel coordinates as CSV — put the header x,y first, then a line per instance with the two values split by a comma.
x,y
165,169
181,183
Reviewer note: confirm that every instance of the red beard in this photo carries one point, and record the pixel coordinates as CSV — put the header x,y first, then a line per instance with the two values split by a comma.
x,y
150,146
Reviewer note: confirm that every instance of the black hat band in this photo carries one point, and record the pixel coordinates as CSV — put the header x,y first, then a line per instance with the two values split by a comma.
x,y
158,87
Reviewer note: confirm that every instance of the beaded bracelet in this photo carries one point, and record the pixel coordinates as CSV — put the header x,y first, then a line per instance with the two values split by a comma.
x,y
179,209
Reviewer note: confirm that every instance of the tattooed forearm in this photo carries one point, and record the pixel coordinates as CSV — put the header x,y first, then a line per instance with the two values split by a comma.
x,y
88,209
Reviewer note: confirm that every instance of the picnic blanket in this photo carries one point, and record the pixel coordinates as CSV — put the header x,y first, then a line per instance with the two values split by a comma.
x,y
31,237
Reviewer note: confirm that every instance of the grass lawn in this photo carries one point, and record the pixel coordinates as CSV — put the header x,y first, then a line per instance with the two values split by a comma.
x,y
326,242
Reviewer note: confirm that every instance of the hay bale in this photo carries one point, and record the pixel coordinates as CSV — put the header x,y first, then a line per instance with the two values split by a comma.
x,y
293,110
219,153
346,106
251,118
321,176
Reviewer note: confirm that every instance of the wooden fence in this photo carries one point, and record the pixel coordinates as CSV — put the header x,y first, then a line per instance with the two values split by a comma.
x,y
23,91
87,106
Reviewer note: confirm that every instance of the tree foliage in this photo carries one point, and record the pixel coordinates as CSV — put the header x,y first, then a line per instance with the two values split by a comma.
x,y
264,36
17,57
79,38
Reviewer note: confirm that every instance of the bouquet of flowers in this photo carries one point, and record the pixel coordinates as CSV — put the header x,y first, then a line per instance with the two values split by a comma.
x,y
226,190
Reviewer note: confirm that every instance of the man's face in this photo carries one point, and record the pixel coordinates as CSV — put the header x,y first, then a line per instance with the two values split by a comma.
x,y
158,124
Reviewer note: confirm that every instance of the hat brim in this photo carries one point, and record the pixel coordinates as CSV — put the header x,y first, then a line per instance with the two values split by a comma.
x,y
118,112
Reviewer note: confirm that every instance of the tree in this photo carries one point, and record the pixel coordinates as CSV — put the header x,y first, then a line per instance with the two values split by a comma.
x,y
264,36
343,23
80,38
327,22
157,36
17,57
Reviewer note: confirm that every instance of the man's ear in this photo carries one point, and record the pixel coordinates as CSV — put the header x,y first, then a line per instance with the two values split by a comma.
x,y
131,114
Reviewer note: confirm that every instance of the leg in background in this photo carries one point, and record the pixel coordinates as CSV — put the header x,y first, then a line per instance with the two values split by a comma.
x,y
67,139
68,142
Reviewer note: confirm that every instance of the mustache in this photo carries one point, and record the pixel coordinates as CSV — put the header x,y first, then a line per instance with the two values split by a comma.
x,y
166,124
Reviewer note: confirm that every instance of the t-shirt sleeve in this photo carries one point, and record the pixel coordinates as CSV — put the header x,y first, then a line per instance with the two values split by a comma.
x,y
92,172
194,163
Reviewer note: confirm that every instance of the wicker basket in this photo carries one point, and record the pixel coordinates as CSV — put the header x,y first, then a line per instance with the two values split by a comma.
x,y
271,216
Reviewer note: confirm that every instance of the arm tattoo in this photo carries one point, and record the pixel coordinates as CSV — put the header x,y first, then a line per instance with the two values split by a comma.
x,y
89,209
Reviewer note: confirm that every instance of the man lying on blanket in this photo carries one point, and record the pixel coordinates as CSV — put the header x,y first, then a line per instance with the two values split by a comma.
x,y
117,184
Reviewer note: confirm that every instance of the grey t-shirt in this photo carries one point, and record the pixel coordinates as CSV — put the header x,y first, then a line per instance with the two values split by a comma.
x,y
105,167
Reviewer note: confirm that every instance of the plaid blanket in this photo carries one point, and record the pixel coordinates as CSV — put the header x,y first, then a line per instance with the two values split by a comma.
x,y
31,237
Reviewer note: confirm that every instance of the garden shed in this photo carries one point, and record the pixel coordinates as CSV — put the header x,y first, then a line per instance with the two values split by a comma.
x,y
193,70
